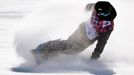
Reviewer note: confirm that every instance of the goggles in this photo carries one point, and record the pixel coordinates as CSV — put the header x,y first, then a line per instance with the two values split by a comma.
x,y
103,14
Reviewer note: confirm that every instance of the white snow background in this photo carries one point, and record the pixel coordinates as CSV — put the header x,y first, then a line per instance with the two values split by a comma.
x,y
48,20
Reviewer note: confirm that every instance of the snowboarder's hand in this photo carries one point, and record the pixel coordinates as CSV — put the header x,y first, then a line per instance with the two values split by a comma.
x,y
90,6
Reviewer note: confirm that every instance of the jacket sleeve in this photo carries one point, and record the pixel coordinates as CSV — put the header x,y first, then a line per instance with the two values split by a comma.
x,y
102,40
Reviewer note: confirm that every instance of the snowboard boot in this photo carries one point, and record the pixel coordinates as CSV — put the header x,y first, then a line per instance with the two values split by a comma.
x,y
38,57
95,55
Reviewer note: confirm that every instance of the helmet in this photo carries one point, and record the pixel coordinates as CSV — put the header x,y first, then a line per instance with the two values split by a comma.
x,y
103,8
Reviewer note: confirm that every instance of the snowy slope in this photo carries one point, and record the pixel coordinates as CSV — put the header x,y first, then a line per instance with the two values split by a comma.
x,y
58,19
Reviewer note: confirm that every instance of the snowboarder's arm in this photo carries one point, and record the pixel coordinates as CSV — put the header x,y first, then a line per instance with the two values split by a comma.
x,y
90,6
102,40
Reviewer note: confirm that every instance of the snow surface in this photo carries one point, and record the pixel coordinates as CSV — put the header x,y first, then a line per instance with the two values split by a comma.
x,y
50,20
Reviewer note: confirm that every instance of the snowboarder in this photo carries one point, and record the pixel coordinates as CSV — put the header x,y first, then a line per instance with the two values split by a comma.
x,y
103,20
98,28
